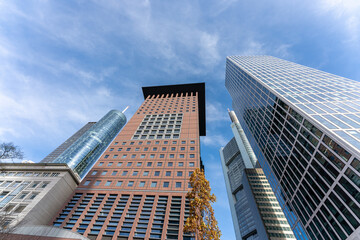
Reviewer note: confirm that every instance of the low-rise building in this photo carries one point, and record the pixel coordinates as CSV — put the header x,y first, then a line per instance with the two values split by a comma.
x,y
32,193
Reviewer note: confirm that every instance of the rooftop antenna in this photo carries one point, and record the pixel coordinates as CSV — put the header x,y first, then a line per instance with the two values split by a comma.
x,y
125,109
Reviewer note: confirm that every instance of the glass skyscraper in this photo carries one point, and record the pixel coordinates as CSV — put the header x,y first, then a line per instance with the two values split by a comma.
x,y
255,211
304,126
84,152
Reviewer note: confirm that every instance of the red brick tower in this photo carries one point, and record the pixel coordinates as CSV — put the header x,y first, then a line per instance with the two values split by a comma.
x,y
137,188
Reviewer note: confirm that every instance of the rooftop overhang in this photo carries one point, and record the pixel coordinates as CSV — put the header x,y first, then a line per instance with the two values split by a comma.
x,y
183,88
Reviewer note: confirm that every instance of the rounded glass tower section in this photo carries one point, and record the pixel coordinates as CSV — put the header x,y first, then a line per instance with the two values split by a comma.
x,y
83,153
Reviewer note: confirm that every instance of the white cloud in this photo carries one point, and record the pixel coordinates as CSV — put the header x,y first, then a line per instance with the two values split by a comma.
x,y
346,14
214,140
215,111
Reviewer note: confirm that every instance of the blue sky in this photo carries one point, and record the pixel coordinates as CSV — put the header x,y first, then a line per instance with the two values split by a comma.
x,y
64,63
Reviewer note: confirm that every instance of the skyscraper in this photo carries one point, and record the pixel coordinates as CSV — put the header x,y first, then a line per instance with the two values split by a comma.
x,y
255,211
137,188
91,141
65,145
304,126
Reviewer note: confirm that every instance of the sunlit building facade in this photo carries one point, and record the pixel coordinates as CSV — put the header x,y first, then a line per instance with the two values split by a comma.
x,y
255,210
31,193
137,188
304,127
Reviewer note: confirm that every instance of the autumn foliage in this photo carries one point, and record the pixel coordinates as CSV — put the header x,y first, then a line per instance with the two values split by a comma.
x,y
201,220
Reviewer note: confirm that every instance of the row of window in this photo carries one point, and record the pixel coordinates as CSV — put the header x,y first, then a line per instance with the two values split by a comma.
x,y
135,173
14,184
161,155
153,184
145,149
148,164
156,142
28,174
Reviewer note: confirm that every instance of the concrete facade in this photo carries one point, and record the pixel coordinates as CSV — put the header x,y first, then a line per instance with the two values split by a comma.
x,y
31,193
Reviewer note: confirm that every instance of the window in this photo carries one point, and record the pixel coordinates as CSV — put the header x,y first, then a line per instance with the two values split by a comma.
x,y
170,164
179,174
192,148
119,183
146,148
139,164
94,173
119,149
178,185
135,173
107,183
182,148
192,155
142,184
149,164
116,143
101,163
103,173
130,183
168,173
174,142
166,184
128,149
153,184
114,173
44,185
181,164
133,155
159,164
23,195
146,173
97,183
115,156
162,155
171,155
192,142
157,173
183,142
163,149
190,173
87,182
3,194
129,164
119,164
152,155
20,208
124,156
106,156
142,156
191,164
189,185
35,184
33,195
132,143
124,173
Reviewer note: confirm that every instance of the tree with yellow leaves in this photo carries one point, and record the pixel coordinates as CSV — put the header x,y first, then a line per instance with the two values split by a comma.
x,y
201,220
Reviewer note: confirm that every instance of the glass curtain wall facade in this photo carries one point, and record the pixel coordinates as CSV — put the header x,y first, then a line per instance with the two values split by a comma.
x,y
137,188
304,126
83,153
255,211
